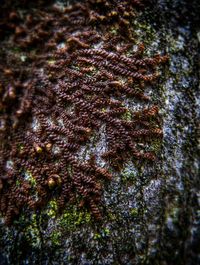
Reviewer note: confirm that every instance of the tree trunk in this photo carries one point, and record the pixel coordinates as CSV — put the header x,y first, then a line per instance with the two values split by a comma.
x,y
150,210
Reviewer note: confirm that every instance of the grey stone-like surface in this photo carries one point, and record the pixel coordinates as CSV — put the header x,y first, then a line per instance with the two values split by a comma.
x,y
152,213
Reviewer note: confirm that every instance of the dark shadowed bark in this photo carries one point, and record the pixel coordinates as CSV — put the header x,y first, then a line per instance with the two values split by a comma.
x,y
145,206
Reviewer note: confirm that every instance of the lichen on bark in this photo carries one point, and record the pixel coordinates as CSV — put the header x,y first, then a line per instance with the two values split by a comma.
x,y
152,209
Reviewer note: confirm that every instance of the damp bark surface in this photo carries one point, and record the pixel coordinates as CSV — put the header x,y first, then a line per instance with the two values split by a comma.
x,y
150,210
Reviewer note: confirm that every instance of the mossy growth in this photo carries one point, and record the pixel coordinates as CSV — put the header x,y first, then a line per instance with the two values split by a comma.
x,y
33,231
174,213
55,238
155,146
127,116
145,33
17,183
73,217
128,176
30,227
134,212
20,147
51,62
52,209
29,176
103,233
114,29
112,216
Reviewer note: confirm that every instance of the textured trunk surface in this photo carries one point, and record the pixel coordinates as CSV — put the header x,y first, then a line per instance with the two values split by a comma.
x,y
153,212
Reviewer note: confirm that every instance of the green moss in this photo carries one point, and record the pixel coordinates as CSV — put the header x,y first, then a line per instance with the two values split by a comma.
x,y
103,110
103,233
128,176
144,33
51,62
20,147
56,238
74,217
114,30
106,231
30,178
52,209
17,183
32,231
69,169
29,226
175,212
97,236
112,216
155,145
134,212
127,116
33,182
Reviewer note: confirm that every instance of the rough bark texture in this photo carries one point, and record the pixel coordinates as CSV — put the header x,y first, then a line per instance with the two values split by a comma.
x,y
152,212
